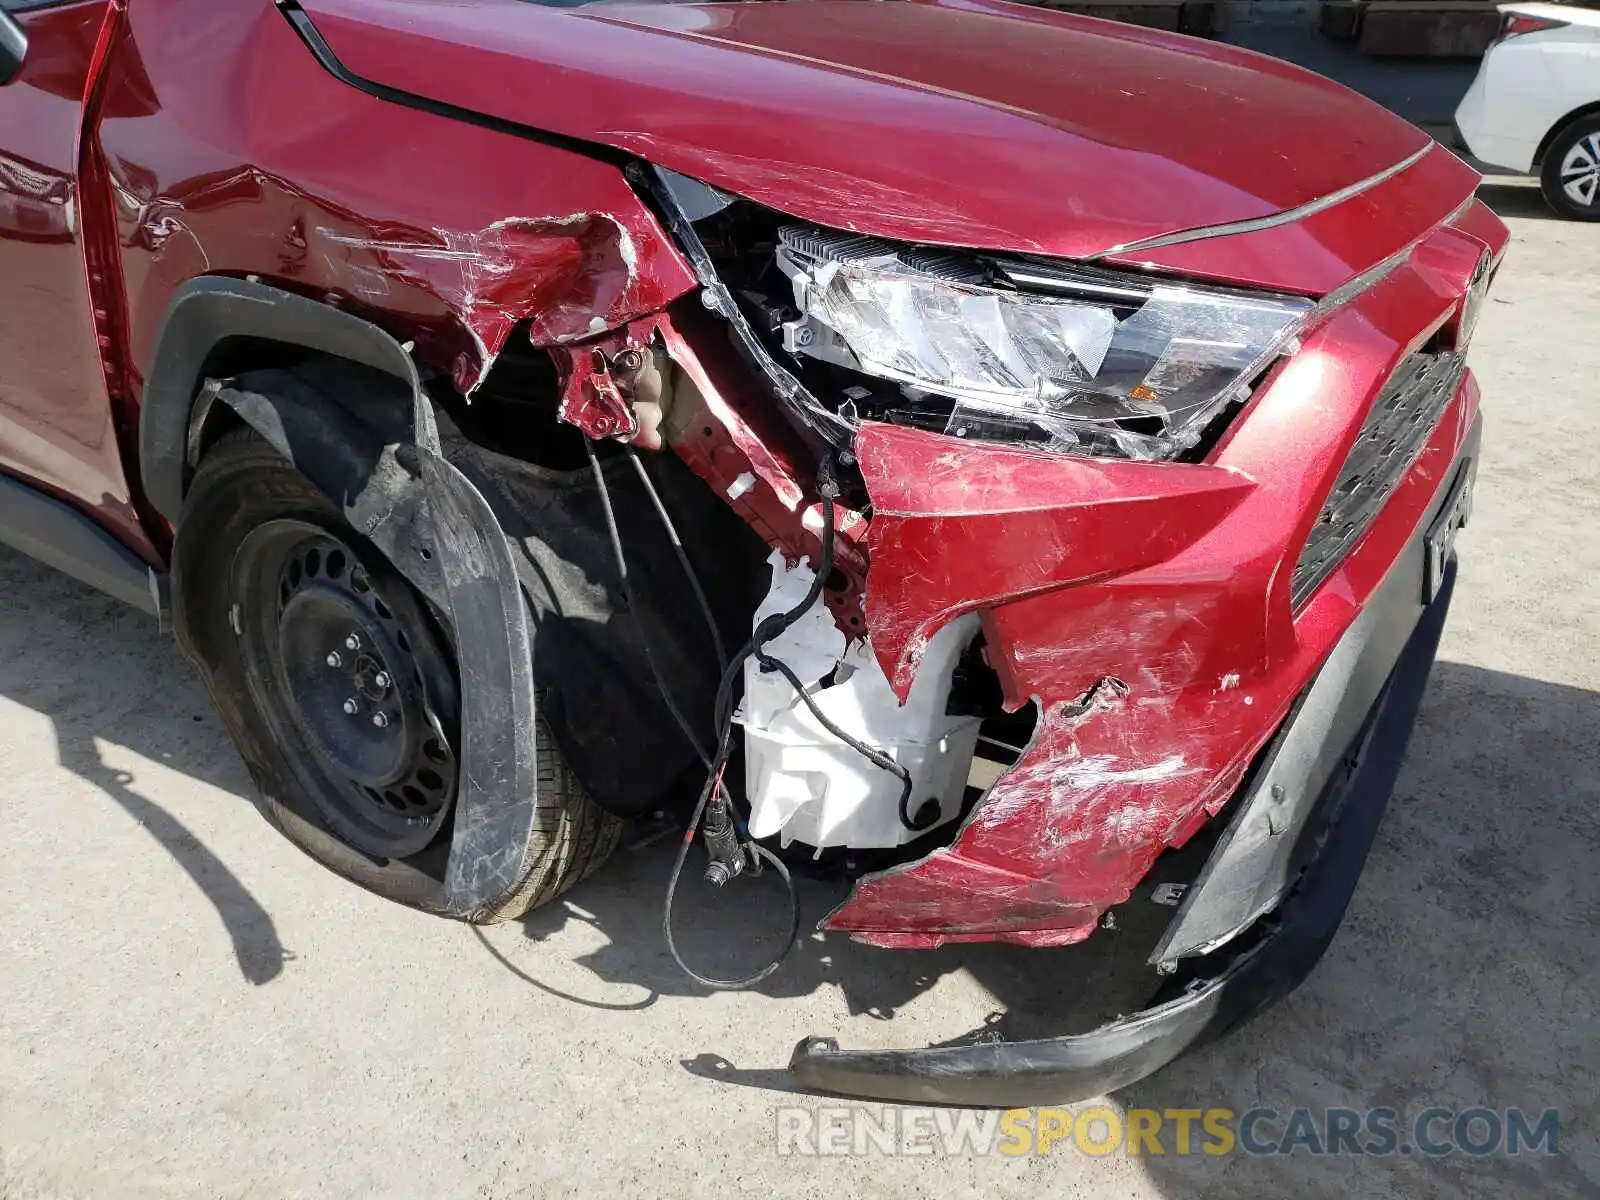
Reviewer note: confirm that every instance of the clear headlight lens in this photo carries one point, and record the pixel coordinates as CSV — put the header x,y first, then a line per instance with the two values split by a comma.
x,y
1107,364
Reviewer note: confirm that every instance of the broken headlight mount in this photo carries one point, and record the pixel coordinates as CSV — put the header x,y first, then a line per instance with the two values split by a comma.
x,y
986,347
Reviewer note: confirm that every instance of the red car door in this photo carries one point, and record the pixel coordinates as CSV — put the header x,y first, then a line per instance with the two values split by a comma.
x,y
56,426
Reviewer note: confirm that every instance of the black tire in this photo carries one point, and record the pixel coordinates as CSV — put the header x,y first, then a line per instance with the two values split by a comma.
x,y
250,525
1572,160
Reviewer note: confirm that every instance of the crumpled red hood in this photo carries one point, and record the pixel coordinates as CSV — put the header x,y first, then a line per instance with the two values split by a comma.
x,y
963,122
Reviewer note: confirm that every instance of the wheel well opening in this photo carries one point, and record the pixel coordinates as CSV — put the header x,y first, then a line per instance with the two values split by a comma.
x,y
1560,127
234,355
515,412
237,354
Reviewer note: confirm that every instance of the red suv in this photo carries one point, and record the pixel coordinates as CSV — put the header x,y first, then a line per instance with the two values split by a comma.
x,y
1009,459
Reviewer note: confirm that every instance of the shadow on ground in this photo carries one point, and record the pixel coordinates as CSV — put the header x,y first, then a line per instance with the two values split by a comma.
x,y
1520,199
102,673
1466,973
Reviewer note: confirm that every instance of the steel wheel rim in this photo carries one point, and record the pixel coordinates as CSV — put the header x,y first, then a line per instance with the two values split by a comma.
x,y
354,682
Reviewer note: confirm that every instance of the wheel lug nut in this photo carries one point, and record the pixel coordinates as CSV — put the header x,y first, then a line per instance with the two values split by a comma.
x,y
381,679
350,706
334,659
381,720
352,642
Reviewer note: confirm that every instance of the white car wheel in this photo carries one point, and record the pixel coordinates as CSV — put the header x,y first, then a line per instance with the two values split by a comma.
x,y
1570,178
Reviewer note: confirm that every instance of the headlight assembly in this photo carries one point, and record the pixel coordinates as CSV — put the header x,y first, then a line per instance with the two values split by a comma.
x,y
1051,355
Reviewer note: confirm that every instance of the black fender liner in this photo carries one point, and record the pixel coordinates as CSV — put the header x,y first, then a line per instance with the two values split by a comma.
x,y
381,463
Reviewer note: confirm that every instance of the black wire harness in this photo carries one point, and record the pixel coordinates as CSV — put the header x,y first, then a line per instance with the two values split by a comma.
x,y
728,852
712,795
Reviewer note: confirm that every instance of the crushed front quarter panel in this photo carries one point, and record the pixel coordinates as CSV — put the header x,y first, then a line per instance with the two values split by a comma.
x,y
1159,642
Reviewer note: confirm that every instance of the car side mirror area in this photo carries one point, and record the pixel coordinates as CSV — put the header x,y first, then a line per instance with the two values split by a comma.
x,y
13,48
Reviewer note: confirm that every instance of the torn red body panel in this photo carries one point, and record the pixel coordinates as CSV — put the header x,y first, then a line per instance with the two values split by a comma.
x,y
570,278
522,233
1173,585
941,507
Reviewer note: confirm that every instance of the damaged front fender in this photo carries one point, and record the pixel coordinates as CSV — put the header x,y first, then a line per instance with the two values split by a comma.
x,y
444,233
569,277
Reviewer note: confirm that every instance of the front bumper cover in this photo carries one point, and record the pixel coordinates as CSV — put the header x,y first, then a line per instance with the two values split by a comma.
x,y
1209,994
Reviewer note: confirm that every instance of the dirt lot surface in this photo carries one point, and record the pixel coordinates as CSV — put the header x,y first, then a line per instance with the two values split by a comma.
x,y
189,1007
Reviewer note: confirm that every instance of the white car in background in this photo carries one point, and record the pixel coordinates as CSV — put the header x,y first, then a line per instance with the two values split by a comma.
x,y
1535,105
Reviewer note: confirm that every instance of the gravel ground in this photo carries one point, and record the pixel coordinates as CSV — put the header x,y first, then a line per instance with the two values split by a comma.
x,y
189,1007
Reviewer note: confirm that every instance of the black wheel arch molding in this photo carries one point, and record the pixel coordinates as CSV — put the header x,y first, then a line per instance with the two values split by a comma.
x,y
209,311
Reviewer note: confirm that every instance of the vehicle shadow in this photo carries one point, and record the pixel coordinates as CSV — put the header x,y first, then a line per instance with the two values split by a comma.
x,y
731,932
1517,199
1465,973
98,670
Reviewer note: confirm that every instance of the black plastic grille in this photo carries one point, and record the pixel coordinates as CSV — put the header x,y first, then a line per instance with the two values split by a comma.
x,y
1393,435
